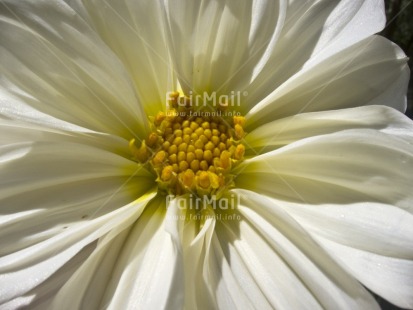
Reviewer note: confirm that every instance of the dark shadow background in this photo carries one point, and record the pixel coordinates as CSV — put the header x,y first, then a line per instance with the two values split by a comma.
x,y
399,29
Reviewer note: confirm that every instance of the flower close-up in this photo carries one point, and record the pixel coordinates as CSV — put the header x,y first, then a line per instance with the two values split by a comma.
x,y
215,154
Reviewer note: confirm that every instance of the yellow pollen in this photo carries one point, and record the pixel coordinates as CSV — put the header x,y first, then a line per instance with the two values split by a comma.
x,y
203,179
239,151
225,160
159,118
167,173
152,139
239,131
159,158
192,152
187,178
239,120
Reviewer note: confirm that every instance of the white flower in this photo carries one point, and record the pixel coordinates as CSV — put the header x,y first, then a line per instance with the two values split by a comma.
x,y
324,188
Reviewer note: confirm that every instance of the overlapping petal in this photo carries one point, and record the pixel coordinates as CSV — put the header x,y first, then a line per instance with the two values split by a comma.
x,y
346,193
217,45
52,60
40,297
373,241
266,260
128,269
31,266
343,167
312,32
284,131
134,31
196,243
57,197
372,69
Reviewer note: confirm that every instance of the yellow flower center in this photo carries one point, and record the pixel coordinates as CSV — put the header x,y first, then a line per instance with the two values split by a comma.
x,y
192,150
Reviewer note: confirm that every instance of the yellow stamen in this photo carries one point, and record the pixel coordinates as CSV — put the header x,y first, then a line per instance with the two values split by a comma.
x,y
239,120
167,173
203,179
239,131
159,118
192,153
159,158
187,178
239,152
141,154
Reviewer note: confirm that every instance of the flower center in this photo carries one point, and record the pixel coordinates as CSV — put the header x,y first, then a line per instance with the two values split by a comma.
x,y
192,150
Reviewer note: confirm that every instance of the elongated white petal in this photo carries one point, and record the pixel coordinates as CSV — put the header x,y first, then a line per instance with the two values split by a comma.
x,y
217,45
344,167
29,267
372,227
287,130
389,277
32,217
40,297
196,239
13,132
370,69
148,273
55,62
86,285
30,166
46,189
340,186
86,288
272,261
313,31
224,282
373,241
134,32
57,195
350,22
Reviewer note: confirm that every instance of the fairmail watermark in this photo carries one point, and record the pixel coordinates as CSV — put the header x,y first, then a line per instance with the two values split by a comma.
x,y
194,202
211,99
223,208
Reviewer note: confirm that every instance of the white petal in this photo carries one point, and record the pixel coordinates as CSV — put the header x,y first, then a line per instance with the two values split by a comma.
x,y
273,261
86,288
197,236
40,297
373,241
148,273
23,270
290,129
35,217
53,61
373,227
57,195
313,31
369,69
345,167
27,166
13,132
389,277
134,32
349,22
224,282
216,45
